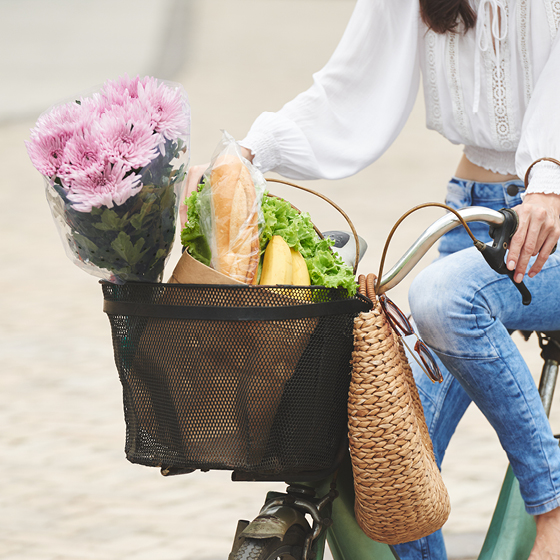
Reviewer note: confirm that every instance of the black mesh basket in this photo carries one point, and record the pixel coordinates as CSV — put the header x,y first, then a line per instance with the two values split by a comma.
x,y
252,379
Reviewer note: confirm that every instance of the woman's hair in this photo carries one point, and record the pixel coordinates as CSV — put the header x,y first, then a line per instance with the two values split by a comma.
x,y
446,15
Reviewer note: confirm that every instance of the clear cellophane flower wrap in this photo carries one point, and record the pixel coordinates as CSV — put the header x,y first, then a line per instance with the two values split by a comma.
x,y
114,164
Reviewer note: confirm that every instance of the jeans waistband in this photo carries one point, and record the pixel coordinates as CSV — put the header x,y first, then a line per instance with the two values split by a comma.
x,y
462,193
481,193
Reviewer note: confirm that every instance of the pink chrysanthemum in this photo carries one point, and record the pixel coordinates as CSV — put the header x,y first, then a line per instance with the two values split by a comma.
x,y
130,141
50,135
110,187
45,151
91,145
96,106
82,156
61,118
166,108
133,112
119,91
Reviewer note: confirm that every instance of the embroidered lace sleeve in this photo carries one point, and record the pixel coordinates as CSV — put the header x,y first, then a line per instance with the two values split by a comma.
x,y
540,136
357,105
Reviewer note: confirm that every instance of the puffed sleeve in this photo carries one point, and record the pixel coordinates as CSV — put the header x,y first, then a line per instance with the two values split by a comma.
x,y
357,105
540,133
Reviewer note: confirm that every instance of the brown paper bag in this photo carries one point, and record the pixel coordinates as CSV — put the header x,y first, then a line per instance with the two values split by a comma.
x,y
190,271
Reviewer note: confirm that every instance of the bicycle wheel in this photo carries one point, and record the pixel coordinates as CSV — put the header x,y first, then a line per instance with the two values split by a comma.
x,y
289,548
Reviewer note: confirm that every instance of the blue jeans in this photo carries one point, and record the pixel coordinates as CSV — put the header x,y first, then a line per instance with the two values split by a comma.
x,y
463,310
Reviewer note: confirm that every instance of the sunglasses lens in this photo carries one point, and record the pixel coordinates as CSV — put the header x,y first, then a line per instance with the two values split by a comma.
x,y
395,316
429,361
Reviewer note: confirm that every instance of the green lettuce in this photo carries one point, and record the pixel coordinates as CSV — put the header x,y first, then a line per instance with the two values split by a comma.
x,y
326,268
192,237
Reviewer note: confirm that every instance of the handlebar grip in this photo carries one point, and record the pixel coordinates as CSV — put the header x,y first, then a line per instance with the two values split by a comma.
x,y
495,254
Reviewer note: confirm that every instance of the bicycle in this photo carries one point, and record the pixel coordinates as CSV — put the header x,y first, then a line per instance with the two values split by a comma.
x,y
295,525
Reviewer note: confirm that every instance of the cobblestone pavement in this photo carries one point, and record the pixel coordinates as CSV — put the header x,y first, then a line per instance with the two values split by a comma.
x,y
66,490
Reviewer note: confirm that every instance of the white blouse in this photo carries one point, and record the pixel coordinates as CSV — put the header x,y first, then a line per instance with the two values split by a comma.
x,y
495,89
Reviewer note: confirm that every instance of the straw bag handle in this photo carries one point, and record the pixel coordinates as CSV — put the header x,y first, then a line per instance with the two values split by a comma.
x,y
334,205
366,286
476,241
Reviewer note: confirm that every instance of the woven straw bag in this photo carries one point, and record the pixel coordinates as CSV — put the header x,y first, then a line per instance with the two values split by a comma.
x,y
400,495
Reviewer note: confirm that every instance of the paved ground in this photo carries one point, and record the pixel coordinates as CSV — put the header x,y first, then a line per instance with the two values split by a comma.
x,y
66,490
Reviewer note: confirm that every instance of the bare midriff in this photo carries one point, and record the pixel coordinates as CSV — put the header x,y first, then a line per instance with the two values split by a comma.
x,y
471,172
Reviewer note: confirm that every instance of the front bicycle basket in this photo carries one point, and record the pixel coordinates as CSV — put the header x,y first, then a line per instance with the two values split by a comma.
x,y
246,378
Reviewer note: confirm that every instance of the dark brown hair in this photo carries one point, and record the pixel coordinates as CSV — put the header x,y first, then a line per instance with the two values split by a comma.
x,y
447,15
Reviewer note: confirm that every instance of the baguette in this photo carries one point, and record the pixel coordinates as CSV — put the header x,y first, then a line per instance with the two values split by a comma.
x,y
235,219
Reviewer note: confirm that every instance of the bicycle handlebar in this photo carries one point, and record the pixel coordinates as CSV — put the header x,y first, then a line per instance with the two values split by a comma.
x,y
421,246
502,227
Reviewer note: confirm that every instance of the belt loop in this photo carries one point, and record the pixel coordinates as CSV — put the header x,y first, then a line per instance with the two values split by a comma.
x,y
459,193
469,192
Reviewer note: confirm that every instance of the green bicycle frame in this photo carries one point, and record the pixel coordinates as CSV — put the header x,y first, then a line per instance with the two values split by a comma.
x,y
510,536
346,540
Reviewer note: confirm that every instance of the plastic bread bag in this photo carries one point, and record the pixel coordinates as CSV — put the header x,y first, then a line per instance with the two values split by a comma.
x,y
229,205
114,161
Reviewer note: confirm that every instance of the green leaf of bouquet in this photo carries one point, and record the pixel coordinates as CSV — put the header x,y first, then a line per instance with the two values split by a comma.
x,y
83,241
137,220
130,253
147,195
110,221
168,197
177,175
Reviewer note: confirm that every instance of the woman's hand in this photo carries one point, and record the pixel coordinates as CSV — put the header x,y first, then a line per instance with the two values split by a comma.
x,y
194,176
538,232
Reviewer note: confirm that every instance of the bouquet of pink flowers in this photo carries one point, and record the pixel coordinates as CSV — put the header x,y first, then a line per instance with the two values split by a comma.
x,y
114,165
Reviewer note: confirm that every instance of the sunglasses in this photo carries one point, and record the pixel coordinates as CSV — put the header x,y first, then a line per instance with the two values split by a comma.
x,y
401,325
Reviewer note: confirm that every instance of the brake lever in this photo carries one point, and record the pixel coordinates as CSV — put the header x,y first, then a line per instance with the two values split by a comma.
x,y
495,254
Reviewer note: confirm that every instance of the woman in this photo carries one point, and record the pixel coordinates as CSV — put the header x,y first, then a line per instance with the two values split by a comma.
x,y
491,77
